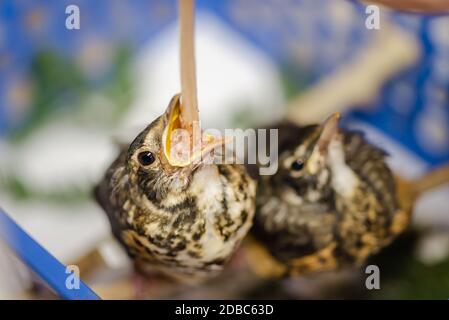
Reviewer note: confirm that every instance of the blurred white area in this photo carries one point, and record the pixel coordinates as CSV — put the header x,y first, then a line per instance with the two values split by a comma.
x,y
65,231
14,277
59,154
433,247
231,75
63,154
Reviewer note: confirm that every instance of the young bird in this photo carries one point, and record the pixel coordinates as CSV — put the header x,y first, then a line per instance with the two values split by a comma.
x,y
333,201
184,221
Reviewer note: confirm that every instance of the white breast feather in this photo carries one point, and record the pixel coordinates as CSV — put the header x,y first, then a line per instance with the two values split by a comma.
x,y
344,180
207,185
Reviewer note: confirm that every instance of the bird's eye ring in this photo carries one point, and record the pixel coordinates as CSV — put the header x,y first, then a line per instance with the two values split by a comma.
x,y
297,165
146,158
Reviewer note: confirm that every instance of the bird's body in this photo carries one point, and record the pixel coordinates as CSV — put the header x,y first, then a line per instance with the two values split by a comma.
x,y
184,222
332,202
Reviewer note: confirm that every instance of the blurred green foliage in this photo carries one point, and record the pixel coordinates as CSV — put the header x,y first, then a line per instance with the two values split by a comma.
x,y
293,82
403,276
63,195
61,87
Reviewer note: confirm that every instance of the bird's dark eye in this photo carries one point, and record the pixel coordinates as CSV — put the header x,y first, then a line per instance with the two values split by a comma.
x,y
297,165
146,158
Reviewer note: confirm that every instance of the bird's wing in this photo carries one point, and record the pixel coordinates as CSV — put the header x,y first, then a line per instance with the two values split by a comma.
x,y
103,190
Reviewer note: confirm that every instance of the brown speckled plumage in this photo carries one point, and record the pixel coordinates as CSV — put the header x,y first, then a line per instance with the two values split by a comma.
x,y
339,208
185,222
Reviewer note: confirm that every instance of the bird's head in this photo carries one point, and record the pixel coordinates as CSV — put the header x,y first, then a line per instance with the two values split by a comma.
x,y
307,165
165,155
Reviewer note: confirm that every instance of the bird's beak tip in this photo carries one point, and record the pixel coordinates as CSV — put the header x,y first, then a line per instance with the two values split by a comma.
x,y
329,130
334,117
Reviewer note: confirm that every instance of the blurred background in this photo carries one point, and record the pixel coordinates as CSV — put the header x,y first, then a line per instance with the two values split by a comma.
x,y
67,97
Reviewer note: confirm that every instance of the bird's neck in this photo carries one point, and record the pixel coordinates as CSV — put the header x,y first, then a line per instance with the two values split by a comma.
x,y
344,179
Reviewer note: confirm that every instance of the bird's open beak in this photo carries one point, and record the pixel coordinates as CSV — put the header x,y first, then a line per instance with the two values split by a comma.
x,y
328,131
183,141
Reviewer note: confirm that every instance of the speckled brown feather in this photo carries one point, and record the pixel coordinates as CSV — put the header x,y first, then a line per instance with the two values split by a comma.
x,y
329,230
188,234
